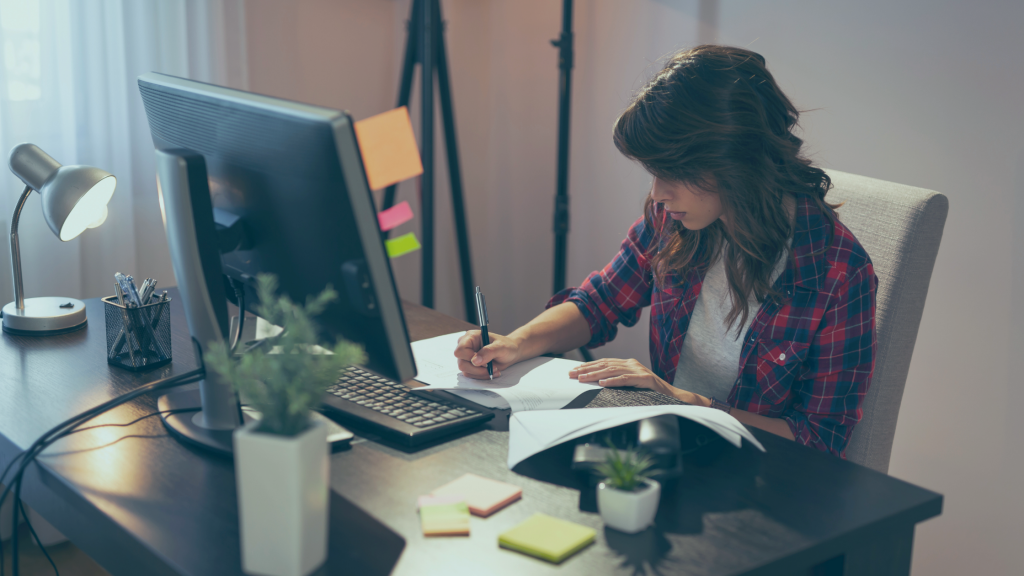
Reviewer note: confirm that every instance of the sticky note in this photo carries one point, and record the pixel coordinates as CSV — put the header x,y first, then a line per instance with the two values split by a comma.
x,y
395,216
546,537
438,500
484,496
402,245
445,519
388,147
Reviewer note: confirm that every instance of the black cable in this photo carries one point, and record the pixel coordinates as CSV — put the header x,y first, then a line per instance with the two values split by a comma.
x,y
240,298
67,427
239,289
21,506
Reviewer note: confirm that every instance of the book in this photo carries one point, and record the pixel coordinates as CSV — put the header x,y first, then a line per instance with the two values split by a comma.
x,y
548,538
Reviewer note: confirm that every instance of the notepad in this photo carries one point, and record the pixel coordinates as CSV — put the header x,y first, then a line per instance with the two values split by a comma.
x,y
388,147
402,245
395,216
445,519
483,495
546,537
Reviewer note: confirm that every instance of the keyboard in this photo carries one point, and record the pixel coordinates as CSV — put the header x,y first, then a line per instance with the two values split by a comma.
x,y
396,412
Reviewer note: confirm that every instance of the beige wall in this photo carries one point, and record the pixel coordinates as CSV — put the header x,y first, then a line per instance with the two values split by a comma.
x,y
923,93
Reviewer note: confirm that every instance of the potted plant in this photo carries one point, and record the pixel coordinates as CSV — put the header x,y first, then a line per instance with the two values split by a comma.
x,y
281,460
627,499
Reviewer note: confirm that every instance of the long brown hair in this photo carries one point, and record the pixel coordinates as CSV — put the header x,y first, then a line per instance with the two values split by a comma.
x,y
715,118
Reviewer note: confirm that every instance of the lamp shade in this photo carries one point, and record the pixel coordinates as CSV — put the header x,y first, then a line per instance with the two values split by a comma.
x,y
74,197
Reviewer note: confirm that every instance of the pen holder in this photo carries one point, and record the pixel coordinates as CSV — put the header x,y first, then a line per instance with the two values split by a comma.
x,y
138,338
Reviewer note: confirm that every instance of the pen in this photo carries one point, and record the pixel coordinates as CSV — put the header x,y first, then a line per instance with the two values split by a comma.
x,y
481,315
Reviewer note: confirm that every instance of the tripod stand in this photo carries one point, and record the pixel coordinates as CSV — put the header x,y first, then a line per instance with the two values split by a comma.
x,y
565,63
425,45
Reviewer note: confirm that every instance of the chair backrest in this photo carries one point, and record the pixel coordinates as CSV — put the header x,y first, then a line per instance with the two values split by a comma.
x,y
900,227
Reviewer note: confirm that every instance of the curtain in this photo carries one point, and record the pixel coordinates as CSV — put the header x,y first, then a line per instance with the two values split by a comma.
x,y
68,71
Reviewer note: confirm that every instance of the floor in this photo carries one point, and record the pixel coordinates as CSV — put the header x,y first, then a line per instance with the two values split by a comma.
x,y
69,559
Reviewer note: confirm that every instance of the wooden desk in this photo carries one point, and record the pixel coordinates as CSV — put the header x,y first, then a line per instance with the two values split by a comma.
x,y
139,502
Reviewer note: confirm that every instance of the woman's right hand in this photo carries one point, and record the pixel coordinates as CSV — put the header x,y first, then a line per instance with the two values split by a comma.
x,y
473,355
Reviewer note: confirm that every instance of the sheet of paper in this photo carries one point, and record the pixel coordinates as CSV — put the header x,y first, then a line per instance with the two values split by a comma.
x,y
534,432
395,216
402,245
388,147
536,384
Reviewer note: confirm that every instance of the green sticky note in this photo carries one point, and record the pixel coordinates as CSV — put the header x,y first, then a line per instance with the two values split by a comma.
x,y
445,519
402,245
546,537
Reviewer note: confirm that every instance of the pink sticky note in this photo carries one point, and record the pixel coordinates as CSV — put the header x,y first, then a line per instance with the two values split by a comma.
x,y
394,216
484,495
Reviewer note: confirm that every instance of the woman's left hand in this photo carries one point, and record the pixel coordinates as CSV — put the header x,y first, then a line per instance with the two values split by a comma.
x,y
614,373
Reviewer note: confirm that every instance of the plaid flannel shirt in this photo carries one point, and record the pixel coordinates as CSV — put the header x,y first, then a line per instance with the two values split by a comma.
x,y
807,359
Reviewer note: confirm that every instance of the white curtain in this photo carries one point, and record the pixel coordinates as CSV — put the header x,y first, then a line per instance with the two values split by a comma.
x,y
68,71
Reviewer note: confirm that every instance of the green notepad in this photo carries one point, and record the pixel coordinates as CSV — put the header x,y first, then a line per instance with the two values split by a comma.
x,y
549,538
445,519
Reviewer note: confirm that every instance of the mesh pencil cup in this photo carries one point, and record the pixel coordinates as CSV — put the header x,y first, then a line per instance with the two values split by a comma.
x,y
138,338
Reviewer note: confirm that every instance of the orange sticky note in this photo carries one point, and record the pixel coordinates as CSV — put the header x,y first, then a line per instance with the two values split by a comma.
x,y
484,495
388,146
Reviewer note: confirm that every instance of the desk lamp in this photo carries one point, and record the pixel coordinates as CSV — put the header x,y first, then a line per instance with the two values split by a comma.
x,y
74,198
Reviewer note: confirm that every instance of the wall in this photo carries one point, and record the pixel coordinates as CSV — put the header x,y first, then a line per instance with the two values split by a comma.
x,y
922,93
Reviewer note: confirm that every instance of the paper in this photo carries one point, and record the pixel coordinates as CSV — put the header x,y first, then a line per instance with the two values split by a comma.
x,y
388,147
543,536
533,432
536,384
483,495
445,519
402,245
395,216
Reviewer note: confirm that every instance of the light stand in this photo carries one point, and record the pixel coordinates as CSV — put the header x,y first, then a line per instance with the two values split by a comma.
x,y
565,63
425,45
74,198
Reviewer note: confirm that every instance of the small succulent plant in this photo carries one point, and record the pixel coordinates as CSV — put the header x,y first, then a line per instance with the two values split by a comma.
x,y
625,469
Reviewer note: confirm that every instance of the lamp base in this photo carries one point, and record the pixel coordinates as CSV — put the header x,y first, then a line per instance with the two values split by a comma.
x,y
44,316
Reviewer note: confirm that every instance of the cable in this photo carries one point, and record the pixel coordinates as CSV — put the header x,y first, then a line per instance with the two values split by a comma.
x,y
239,289
240,298
66,428
21,506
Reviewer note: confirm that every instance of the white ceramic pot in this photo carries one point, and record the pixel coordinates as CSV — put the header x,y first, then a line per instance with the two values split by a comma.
x,y
283,500
629,512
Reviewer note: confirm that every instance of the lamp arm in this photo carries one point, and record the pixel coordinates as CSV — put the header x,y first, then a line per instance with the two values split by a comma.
x,y
19,290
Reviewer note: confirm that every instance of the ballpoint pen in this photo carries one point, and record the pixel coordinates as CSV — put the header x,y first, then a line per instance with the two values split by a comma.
x,y
481,315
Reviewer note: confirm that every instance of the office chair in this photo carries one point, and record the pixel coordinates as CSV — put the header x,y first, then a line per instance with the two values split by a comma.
x,y
900,227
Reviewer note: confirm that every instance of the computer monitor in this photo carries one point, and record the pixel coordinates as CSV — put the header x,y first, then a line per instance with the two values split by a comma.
x,y
291,177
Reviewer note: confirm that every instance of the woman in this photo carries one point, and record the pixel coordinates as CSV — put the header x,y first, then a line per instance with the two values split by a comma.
x,y
762,301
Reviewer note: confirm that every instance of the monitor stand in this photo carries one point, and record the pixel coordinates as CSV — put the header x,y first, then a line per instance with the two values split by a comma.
x,y
181,412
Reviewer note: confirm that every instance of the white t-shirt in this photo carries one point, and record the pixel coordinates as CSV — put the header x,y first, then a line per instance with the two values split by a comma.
x,y
710,360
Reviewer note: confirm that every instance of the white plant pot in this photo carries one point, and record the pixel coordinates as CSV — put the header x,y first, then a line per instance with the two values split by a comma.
x,y
283,500
629,512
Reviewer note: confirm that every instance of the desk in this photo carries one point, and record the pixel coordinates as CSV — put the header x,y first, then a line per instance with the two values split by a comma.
x,y
139,502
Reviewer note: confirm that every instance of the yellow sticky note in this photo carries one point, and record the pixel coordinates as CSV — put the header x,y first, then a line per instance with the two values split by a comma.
x,y
543,536
388,146
402,245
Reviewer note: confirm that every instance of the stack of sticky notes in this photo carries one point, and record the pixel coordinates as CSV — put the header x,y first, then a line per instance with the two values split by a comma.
x,y
549,538
444,516
483,495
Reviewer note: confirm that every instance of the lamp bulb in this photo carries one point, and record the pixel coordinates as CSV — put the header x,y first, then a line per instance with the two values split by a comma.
x,y
100,219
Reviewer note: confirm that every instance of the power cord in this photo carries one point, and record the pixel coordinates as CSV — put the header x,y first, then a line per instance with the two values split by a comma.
x,y
62,430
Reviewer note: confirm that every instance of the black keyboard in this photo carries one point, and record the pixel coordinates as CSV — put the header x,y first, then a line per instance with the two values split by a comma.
x,y
396,412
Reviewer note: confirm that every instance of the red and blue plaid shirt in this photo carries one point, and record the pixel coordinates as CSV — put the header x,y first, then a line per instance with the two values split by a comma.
x,y
807,359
